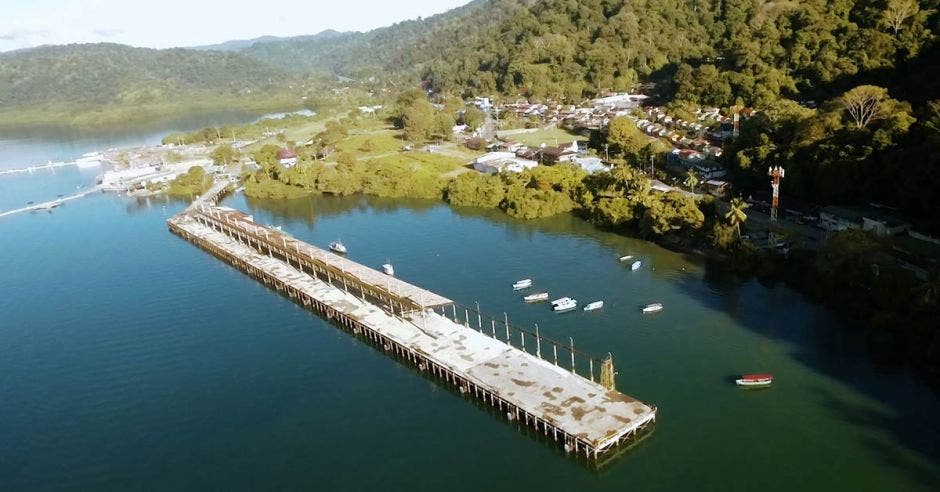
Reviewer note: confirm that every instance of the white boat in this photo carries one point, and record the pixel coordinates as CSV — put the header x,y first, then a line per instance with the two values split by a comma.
x,y
626,258
755,380
566,306
594,306
388,269
561,301
653,308
636,265
338,247
522,284
539,297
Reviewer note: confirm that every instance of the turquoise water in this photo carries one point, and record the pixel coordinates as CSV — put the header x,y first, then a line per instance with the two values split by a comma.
x,y
129,359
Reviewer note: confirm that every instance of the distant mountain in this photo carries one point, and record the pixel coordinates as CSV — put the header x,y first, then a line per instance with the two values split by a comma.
x,y
241,44
93,77
402,48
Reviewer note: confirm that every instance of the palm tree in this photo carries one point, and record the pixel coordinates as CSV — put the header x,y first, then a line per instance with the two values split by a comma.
x,y
736,215
691,179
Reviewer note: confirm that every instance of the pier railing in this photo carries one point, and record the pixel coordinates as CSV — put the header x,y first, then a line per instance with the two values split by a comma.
x,y
562,354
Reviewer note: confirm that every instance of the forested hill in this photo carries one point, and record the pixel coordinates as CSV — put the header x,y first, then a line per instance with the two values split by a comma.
x,y
74,78
780,57
755,50
401,50
241,44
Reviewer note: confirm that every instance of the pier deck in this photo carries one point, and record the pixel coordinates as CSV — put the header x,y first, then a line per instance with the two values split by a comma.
x,y
580,414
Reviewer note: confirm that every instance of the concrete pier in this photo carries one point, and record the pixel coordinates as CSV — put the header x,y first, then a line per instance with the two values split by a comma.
x,y
537,390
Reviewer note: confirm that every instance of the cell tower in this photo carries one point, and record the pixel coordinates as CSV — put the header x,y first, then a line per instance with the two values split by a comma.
x,y
777,173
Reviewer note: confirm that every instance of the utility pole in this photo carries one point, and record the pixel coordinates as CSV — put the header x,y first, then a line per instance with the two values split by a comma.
x,y
652,171
606,152
496,110
777,173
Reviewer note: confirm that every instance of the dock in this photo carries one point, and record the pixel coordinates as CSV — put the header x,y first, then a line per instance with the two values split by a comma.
x,y
52,166
564,395
52,203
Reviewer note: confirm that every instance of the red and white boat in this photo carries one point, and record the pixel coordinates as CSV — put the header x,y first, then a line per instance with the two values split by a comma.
x,y
755,380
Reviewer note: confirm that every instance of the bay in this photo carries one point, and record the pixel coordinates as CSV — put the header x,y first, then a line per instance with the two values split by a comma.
x,y
131,359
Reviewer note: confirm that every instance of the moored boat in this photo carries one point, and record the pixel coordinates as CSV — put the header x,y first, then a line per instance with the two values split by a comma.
x,y
561,301
594,306
653,308
636,265
626,258
522,284
538,297
567,305
338,247
388,269
755,380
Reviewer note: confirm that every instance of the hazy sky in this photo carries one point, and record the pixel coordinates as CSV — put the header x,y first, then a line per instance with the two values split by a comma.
x,y
168,23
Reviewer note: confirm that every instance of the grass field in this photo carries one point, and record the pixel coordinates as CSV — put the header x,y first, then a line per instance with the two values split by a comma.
x,y
555,136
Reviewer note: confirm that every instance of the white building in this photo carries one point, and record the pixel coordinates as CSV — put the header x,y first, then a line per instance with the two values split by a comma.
x,y
591,164
497,162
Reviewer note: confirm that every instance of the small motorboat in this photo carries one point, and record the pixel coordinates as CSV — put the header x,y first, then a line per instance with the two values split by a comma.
x,y
755,380
561,301
338,247
522,284
636,265
539,297
567,305
388,269
594,306
626,258
653,308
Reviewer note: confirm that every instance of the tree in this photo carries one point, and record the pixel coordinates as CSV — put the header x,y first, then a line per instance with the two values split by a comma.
x,y
899,11
418,121
443,125
472,117
691,179
224,154
723,236
625,137
736,215
865,103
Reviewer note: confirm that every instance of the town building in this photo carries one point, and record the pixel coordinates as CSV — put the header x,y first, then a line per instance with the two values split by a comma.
x,y
498,162
287,157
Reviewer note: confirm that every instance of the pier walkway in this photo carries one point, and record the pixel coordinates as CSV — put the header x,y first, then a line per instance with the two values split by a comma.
x,y
410,324
51,166
52,203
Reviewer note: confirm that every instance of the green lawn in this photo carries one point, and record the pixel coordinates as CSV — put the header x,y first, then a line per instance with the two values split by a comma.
x,y
555,136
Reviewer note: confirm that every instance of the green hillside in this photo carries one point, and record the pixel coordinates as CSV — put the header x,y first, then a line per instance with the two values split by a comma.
x,y
400,51
109,82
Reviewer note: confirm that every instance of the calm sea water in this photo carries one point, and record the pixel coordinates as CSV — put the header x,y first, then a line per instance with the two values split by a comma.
x,y
129,359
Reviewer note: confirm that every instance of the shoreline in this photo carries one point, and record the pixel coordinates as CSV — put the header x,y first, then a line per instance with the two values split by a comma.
x,y
762,265
118,117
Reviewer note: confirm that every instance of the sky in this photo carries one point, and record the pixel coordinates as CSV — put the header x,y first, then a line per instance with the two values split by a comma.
x,y
171,23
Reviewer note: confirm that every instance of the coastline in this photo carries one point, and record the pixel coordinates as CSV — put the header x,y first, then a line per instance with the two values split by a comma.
x,y
114,117
800,269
